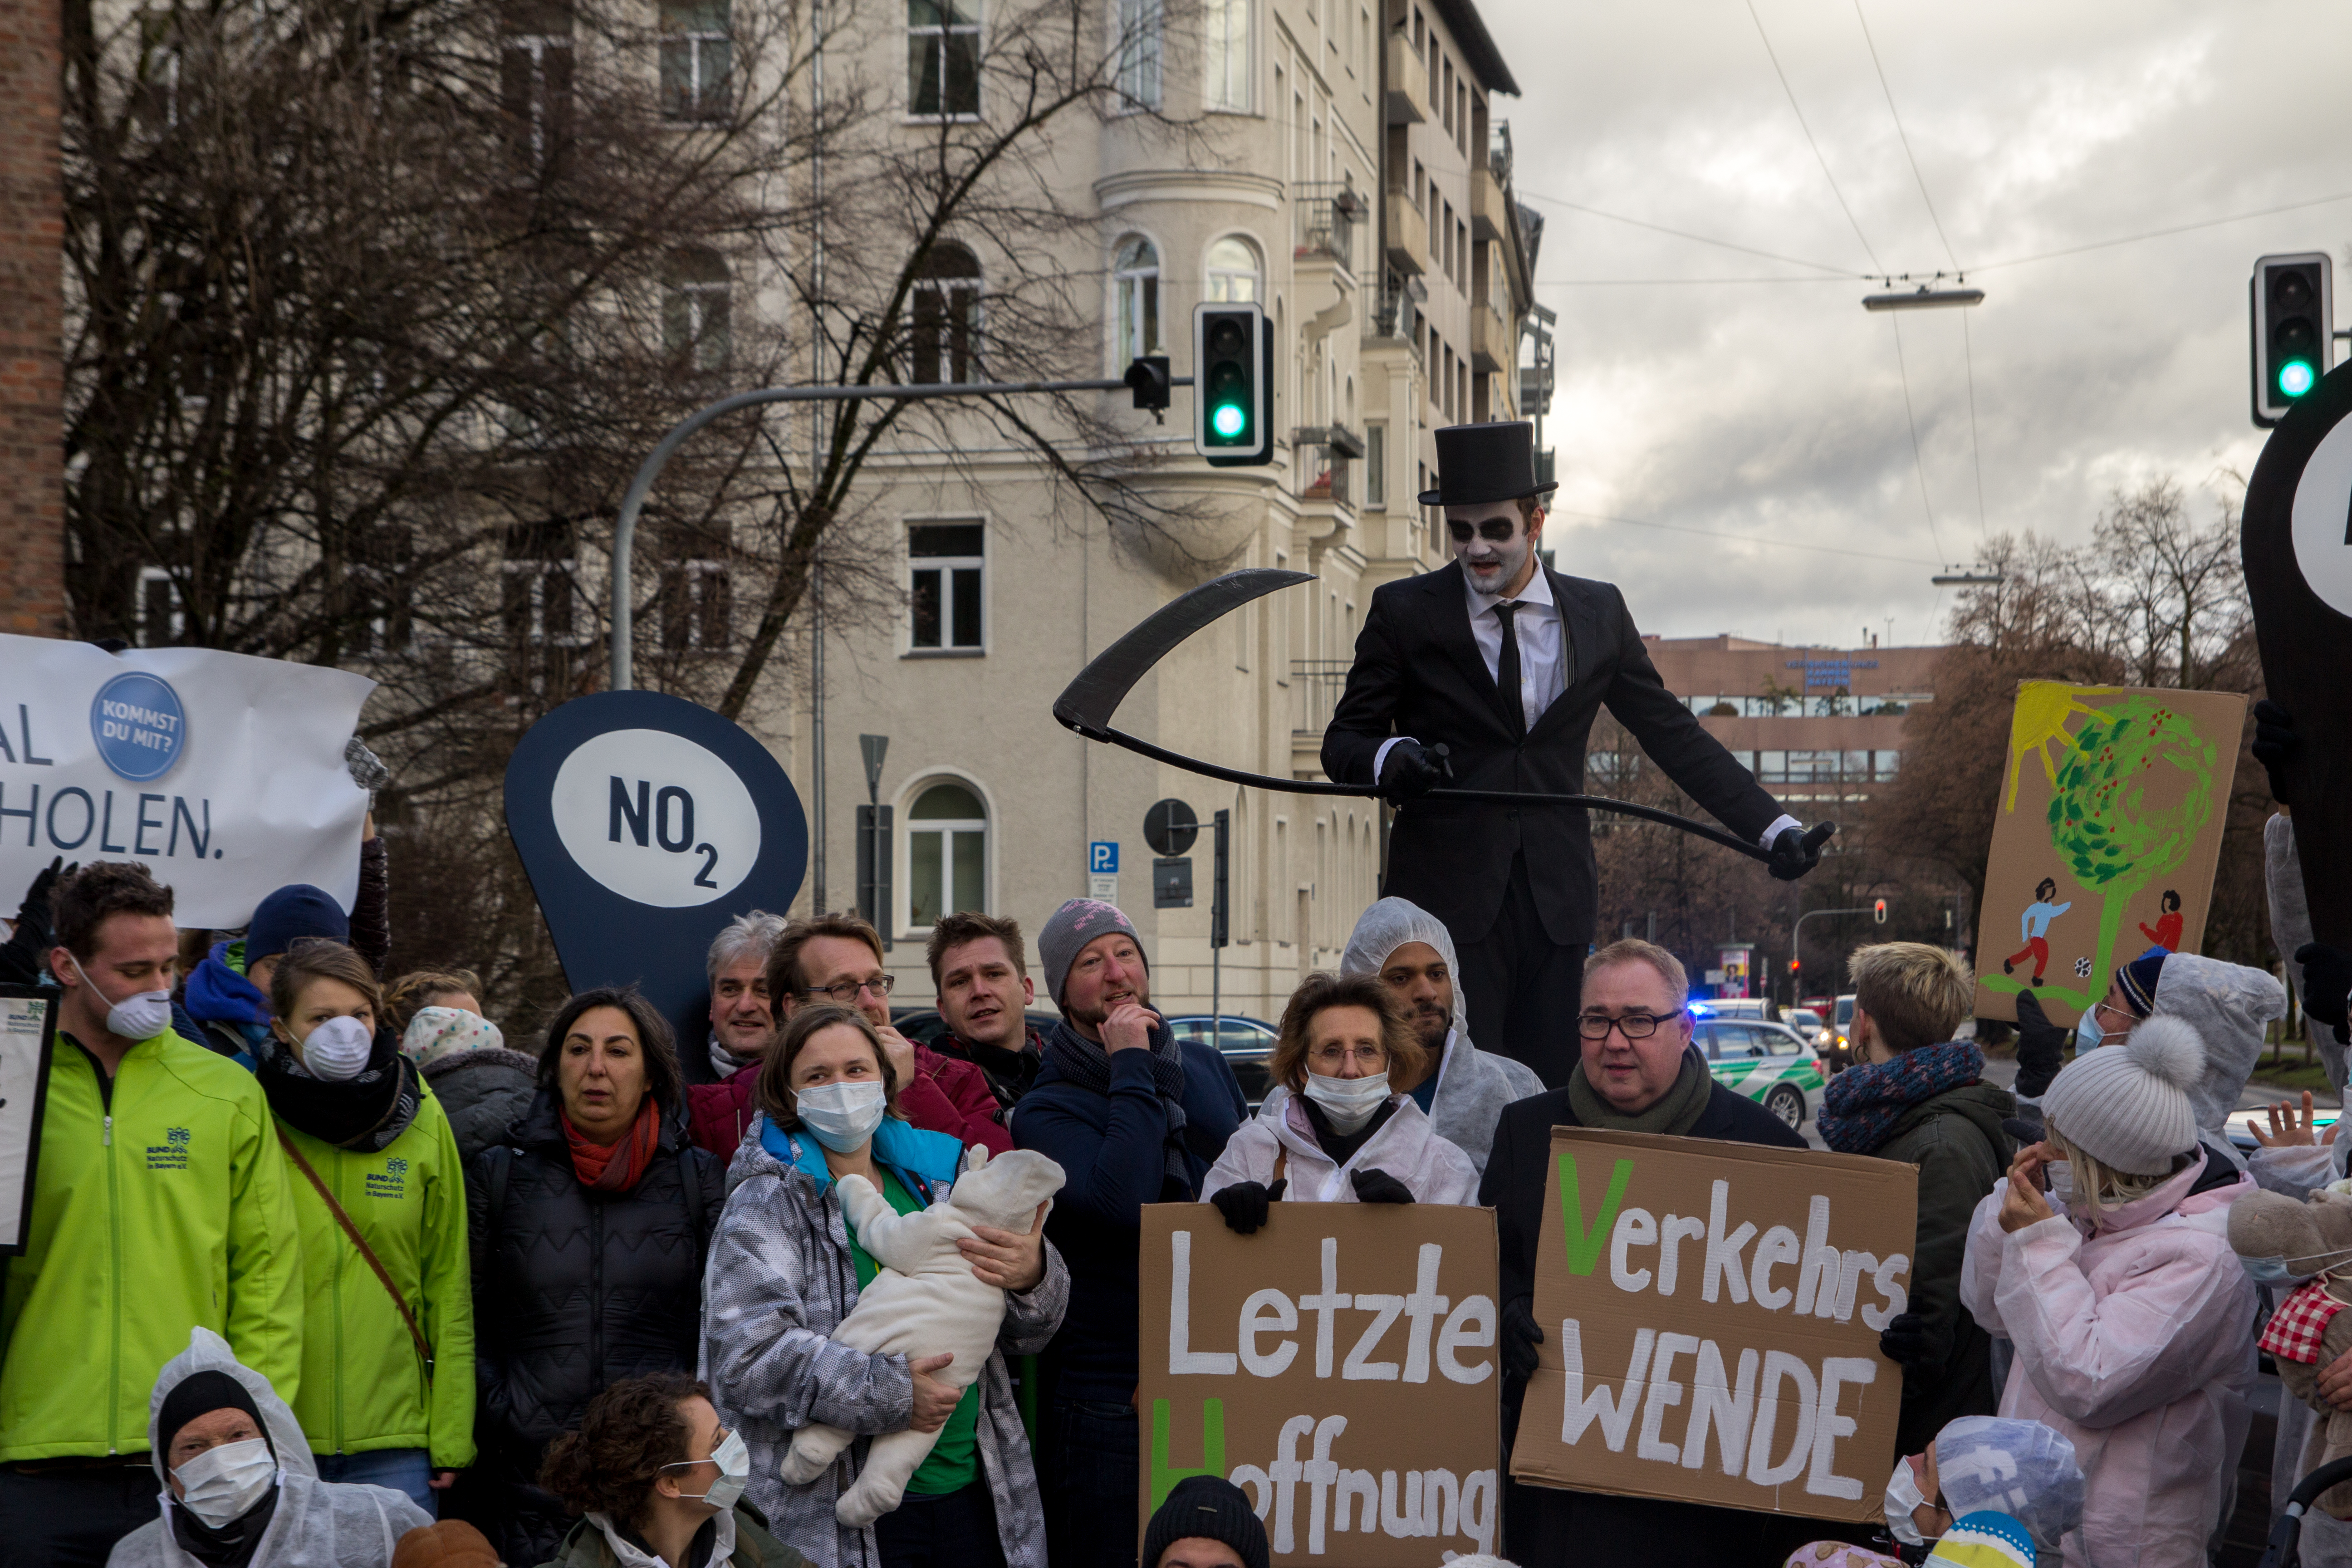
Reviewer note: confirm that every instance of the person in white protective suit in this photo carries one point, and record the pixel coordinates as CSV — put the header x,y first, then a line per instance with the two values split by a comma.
x,y
1461,1089
240,1487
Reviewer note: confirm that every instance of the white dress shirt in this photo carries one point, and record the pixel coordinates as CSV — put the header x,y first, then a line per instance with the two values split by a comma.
x,y
1543,666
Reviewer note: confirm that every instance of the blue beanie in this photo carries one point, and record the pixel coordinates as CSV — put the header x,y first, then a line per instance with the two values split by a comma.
x,y
2137,981
289,915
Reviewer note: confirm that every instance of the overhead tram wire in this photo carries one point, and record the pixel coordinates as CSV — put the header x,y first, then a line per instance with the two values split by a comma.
x,y
1904,137
2164,233
1838,273
1876,269
1918,463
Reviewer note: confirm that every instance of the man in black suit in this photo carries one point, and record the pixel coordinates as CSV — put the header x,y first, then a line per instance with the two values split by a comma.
x,y
1488,674
1638,1072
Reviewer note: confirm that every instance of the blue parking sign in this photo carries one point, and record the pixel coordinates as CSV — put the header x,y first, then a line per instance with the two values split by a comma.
x,y
1102,858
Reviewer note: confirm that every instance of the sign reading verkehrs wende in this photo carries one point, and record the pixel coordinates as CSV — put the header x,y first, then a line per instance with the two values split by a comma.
x,y
1339,1366
223,772
1711,1315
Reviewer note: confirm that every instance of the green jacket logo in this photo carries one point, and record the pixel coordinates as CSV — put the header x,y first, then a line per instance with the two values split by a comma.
x,y
172,1154
392,1182
1584,1244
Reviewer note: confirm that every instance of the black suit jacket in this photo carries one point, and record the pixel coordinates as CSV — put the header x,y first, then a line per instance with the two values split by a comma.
x,y
1418,673
1544,1526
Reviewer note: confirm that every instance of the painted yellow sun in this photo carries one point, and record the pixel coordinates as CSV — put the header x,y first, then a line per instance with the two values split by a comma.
x,y
2043,707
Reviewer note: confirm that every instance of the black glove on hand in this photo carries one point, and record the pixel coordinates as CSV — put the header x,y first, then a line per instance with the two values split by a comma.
x,y
1244,1205
33,913
2040,1046
2327,983
2275,741
1379,1187
1795,853
1412,770
1904,1340
1521,1338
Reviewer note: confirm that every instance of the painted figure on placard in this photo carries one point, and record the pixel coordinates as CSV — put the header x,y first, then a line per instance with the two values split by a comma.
x,y
2166,933
2034,927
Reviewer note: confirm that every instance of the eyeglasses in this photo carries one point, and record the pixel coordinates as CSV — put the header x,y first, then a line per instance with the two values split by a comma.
x,y
847,992
1495,530
1632,1025
1372,1059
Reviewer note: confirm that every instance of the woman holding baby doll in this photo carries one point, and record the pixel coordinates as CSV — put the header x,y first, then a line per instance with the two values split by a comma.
x,y
786,1268
2128,1310
1340,1135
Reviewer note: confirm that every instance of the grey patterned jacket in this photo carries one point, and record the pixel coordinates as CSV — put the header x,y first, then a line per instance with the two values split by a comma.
x,y
780,1279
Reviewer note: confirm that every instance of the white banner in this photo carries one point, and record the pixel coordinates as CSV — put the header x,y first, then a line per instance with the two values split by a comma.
x,y
223,772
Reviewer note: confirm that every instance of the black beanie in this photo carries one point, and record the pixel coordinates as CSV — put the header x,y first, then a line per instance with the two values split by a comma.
x,y
1210,1509
200,1394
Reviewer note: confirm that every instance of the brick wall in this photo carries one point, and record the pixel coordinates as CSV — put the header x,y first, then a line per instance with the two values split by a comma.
x,y
32,474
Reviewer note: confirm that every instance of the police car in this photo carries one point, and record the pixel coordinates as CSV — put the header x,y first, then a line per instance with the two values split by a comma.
x,y
1767,1062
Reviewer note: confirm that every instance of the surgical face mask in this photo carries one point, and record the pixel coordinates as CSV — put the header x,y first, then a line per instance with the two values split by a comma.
x,y
842,1116
734,1462
2088,1036
222,1483
2277,1270
338,1049
1902,1496
139,1017
2061,1180
1348,1103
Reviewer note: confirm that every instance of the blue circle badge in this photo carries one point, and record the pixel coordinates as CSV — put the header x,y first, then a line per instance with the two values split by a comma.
x,y
139,725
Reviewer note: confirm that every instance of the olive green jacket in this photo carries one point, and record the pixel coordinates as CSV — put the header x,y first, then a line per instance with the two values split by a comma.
x,y
587,1546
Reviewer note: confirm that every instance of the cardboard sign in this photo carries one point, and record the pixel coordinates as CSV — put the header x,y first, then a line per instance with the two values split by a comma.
x,y
2112,807
1339,1366
224,773
28,1033
1711,1315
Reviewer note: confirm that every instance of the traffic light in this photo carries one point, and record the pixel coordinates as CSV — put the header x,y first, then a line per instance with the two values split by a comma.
x,y
1233,385
2293,309
1794,966
1148,377
1878,911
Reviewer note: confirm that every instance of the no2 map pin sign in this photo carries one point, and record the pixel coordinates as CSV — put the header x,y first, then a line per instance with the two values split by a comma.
x,y
2297,544
647,822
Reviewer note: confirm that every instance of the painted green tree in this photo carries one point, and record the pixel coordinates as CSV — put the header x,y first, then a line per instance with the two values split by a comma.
x,y
2105,819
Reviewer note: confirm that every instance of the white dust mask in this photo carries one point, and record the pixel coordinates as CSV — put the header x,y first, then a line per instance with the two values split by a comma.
x,y
223,1483
1348,1103
1902,1496
338,1049
841,1116
139,1017
734,1462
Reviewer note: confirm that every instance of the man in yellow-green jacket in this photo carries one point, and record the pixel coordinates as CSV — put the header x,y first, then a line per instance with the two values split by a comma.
x,y
159,1204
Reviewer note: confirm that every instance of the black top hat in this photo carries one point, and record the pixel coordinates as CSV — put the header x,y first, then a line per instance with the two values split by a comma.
x,y
1482,463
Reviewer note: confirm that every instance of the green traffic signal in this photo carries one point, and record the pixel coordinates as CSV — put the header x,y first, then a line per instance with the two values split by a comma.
x,y
1227,420
2295,378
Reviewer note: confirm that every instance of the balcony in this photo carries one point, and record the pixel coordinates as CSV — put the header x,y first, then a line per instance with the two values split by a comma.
x,y
1407,234
1490,205
1315,688
1325,215
1494,344
1408,91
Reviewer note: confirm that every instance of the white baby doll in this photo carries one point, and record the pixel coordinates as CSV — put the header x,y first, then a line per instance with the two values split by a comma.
x,y
924,1300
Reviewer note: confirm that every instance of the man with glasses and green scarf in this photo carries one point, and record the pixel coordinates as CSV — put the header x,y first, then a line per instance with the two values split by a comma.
x,y
1638,1072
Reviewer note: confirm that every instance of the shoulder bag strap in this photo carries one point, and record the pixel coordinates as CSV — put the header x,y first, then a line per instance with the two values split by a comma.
x,y
424,1351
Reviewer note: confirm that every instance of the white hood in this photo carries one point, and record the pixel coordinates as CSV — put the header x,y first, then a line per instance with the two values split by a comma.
x,y
208,1352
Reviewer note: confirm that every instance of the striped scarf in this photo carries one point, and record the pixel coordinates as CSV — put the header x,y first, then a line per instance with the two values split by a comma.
x,y
1863,1103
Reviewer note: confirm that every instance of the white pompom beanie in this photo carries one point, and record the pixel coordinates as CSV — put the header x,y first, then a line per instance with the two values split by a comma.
x,y
2127,1105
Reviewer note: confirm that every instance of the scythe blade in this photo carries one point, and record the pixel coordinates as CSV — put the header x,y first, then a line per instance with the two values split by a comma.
x,y
1087,703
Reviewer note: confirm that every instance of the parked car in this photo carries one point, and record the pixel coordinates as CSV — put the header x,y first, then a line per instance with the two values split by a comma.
x,y
1245,1042
1735,1007
1805,1021
1836,1041
924,1025
1765,1062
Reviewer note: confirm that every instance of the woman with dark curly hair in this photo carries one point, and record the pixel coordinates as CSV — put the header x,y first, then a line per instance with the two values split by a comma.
x,y
589,1225
658,1483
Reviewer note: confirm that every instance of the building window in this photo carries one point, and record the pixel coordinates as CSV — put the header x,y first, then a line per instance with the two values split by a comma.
x,y
946,315
695,56
1376,465
535,77
382,605
696,328
1138,280
161,612
943,57
1225,84
1142,37
948,560
1234,271
697,606
947,854
541,607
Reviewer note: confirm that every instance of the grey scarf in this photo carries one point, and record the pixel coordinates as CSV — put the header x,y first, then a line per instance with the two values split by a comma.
x,y
1674,1113
1086,1064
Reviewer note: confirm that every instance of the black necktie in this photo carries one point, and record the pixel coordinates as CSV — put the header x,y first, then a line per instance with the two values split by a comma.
x,y
1506,670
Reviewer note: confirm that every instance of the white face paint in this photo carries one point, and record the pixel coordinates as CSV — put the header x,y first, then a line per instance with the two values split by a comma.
x,y
1491,565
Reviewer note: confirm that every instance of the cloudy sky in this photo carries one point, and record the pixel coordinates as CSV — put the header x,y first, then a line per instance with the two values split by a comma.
x,y
1774,412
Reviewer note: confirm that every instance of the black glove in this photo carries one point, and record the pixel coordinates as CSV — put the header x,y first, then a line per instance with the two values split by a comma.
x,y
33,912
2040,1046
1244,1205
27,947
1904,1340
2327,983
1379,1187
1521,1338
2275,743
1412,770
1795,853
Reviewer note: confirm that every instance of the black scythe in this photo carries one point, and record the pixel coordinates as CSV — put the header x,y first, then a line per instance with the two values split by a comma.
x,y
1087,703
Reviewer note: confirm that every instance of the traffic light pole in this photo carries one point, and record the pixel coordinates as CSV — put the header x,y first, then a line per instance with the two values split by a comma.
x,y
1797,933
1140,378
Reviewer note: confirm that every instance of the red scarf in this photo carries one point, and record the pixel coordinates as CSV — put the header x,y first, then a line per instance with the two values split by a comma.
x,y
595,1164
